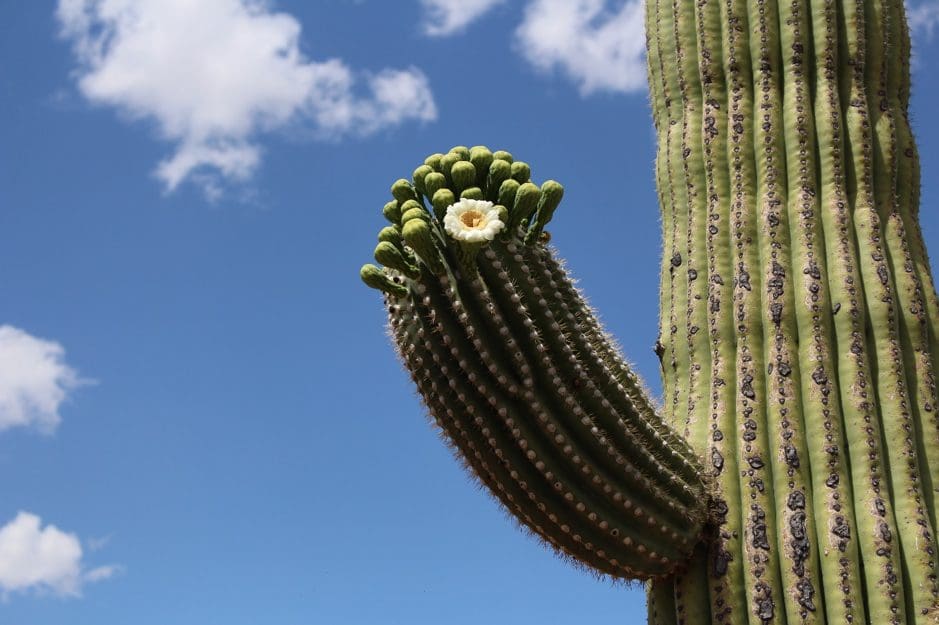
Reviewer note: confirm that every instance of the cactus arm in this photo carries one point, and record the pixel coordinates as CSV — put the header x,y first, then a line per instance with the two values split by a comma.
x,y
614,434
471,443
610,374
635,431
517,372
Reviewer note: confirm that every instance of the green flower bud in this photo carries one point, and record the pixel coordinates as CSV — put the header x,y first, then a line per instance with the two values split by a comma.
x,y
434,161
392,212
502,155
377,279
447,163
481,158
473,193
419,238
507,192
418,177
391,235
390,256
526,203
503,214
406,206
462,150
521,171
403,191
551,194
463,175
433,182
499,172
414,213
441,200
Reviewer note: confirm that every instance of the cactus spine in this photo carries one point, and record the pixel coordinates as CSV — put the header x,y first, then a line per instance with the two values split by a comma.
x,y
792,475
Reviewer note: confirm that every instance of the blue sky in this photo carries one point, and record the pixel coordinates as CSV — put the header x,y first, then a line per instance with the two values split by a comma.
x,y
201,418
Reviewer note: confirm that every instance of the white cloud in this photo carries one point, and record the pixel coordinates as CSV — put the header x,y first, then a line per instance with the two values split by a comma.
x,y
446,17
43,559
599,45
34,380
923,17
214,74
96,544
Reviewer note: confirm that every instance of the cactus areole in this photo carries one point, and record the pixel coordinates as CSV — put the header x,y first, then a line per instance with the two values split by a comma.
x,y
792,475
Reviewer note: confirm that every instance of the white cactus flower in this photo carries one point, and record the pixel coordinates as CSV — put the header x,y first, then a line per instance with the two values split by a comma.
x,y
472,221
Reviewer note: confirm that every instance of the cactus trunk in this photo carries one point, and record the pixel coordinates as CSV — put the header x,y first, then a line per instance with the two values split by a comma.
x,y
799,320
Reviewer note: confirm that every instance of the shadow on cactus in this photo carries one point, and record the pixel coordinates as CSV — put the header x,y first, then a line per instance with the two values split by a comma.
x,y
518,373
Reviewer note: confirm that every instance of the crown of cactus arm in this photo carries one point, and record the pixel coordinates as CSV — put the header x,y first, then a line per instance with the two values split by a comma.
x,y
515,369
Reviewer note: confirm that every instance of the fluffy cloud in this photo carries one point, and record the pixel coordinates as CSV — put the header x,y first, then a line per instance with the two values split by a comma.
x,y
923,17
446,17
43,559
34,380
214,74
597,44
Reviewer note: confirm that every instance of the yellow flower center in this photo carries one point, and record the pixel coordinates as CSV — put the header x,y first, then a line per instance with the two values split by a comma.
x,y
473,219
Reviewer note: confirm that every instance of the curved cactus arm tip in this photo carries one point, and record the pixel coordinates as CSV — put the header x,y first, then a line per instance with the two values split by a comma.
x,y
516,370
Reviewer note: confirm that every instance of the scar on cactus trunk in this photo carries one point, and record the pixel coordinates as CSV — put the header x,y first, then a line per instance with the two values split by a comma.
x,y
792,475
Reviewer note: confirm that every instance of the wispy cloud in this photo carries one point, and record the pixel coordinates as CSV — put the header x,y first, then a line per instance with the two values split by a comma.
x,y
213,75
923,17
34,381
43,559
599,45
447,17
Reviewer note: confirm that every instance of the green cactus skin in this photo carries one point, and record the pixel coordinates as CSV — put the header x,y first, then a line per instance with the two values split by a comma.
x,y
792,476
788,182
528,388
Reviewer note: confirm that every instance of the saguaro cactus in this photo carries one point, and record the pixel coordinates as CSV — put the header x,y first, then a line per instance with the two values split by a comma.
x,y
788,182
792,477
